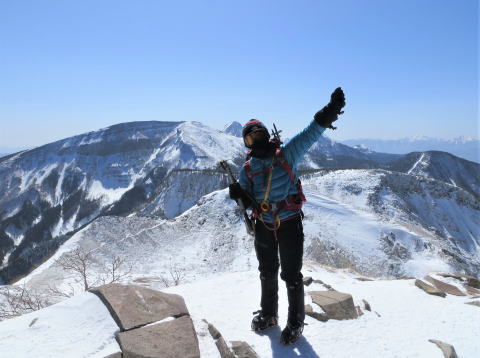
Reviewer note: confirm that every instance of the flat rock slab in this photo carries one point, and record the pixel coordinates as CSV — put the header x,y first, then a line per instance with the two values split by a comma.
x,y
429,289
447,349
470,280
243,350
337,305
135,306
317,315
115,355
474,303
445,287
471,290
171,339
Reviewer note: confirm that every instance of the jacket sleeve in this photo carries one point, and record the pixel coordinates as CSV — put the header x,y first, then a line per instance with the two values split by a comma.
x,y
295,148
243,180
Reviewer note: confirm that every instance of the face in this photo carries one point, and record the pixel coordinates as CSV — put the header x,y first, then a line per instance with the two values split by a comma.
x,y
253,137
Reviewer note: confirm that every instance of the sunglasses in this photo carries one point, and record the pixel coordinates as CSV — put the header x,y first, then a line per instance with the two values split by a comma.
x,y
250,137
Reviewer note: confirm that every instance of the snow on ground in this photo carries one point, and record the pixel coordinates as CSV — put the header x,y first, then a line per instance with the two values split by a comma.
x,y
402,320
78,327
408,317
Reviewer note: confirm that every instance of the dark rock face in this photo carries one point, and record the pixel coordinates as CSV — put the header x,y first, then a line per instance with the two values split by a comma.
x,y
429,289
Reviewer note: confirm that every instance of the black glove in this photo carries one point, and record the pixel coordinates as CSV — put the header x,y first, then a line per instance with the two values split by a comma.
x,y
235,191
329,114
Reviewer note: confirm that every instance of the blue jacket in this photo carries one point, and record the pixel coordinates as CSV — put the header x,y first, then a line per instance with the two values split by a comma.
x,y
281,186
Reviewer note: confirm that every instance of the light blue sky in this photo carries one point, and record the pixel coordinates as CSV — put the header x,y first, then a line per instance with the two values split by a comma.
x,y
408,67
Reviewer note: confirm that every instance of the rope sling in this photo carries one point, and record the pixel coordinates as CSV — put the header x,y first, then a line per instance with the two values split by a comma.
x,y
265,206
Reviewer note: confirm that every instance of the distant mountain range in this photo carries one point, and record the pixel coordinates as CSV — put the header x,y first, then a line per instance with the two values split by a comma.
x,y
161,169
468,148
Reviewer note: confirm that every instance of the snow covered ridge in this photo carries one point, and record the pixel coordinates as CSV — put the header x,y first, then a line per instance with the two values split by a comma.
x,y
468,148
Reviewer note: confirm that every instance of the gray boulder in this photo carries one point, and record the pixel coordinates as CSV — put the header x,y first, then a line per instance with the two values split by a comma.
x,y
337,305
473,303
447,349
243,350
445,287
171,339
429,289
135,306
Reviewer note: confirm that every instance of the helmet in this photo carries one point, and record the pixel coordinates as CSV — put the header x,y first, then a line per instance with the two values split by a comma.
x,y
253,125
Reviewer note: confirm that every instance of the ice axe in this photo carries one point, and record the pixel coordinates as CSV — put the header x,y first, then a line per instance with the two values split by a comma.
x,y
249,225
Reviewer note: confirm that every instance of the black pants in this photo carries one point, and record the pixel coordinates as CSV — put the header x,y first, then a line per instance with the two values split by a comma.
x,y
288,242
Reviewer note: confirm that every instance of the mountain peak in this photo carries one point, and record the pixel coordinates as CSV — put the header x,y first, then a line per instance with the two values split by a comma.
x,y
234,128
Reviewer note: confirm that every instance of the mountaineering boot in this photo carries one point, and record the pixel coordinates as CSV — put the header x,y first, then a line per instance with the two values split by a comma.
x,y
291,333
268,315
296,312
261,322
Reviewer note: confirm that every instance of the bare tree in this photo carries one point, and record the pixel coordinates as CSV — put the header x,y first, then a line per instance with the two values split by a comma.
x,y
78,262
19,300
90,273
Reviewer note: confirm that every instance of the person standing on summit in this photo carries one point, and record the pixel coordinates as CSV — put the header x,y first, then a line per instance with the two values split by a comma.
x,y
269,185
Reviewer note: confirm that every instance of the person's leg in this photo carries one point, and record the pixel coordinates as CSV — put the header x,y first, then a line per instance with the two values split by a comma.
x,y
266,248
290,240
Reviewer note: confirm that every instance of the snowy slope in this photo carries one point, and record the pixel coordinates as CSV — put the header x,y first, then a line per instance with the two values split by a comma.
x,y
78,327
402,320
353,219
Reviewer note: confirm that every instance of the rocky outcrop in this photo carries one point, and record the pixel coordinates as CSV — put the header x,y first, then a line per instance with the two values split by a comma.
x,y
152,323
134,306
243,350
469,280
222,346
175,338
474,303
337,305
444,287
447,349
429,289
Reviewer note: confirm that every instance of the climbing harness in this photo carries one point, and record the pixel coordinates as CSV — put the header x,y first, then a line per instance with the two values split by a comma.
x,y
291,202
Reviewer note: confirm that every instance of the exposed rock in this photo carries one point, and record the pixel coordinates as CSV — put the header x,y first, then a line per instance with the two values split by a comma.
x,y
471,290
135,306
359,311
474,303
175,338
445,287
318,281
469,280
363,279
429,289
405,278
366,305
213,331
243,350
115,355
307,281
222,347
337,305
447,349
320,316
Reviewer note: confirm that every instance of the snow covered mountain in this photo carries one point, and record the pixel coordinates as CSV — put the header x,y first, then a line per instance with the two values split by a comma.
x,y
375,222
152,169
234,129
50,191
468,148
